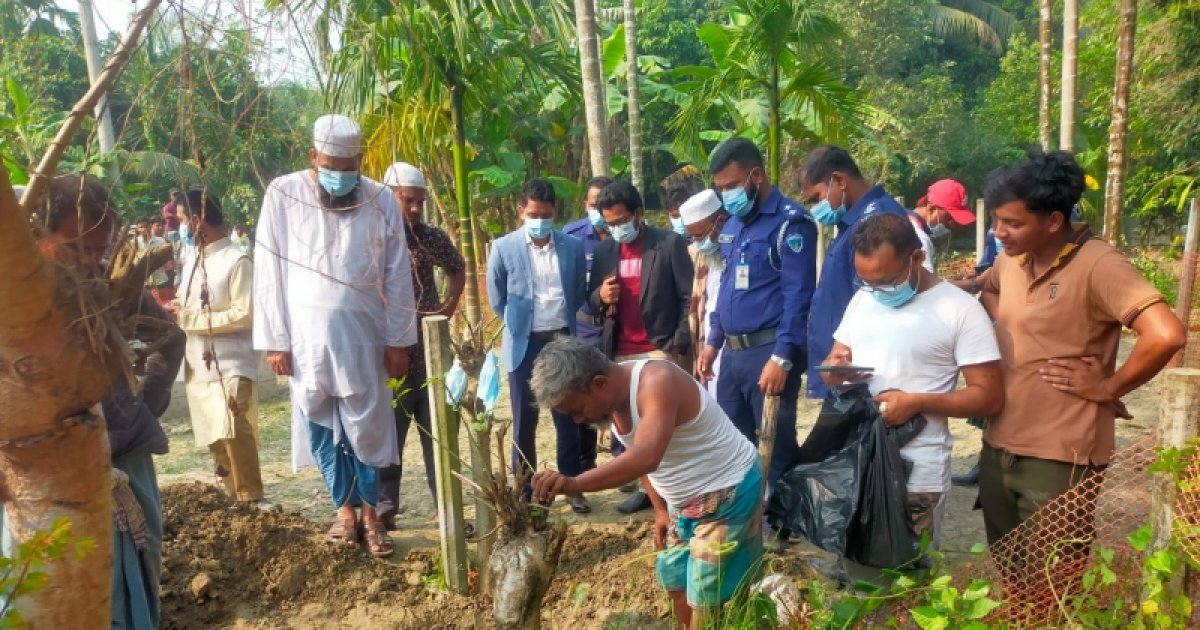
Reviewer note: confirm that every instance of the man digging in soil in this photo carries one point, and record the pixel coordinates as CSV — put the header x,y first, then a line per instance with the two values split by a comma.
x,y
701,473
334,309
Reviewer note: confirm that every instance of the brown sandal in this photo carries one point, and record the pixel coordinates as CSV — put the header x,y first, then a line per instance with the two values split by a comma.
x,y
343,532
378,542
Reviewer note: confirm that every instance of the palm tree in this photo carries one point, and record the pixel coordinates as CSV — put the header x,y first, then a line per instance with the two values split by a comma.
x,y
593,89
1045,55
634,94
419,68
1070,63
1114,185
981,22
765,79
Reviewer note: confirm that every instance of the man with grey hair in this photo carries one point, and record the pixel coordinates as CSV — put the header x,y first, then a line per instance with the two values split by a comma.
x,y
701,473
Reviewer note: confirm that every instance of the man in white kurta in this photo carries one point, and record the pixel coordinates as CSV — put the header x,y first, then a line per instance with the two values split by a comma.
x,y
221,364
334,309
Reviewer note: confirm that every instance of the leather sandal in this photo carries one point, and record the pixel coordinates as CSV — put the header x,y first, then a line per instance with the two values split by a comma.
x,y
378,542
343,532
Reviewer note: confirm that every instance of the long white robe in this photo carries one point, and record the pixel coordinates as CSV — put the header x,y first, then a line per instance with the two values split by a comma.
x,y
334,288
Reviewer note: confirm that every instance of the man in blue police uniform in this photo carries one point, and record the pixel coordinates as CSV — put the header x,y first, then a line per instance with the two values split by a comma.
x,y
838,196
590,230
769,248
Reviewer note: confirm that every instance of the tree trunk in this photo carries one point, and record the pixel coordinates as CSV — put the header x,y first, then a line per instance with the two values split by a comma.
x,y
1044,32
58,353
774,143
1070,62
634,94
1114,185
593,89
466,232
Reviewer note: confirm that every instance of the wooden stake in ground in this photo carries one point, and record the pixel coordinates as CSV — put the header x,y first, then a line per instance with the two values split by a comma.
x,y
1178,427
445,436
766,434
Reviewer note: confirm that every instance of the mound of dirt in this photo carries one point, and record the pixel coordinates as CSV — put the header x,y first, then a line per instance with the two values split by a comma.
x,y
224,562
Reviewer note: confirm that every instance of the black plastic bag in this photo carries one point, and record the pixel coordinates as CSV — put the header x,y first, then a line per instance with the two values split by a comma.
x,y
881,534
817,497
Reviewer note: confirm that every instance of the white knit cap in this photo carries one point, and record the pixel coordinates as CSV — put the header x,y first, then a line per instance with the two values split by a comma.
x,y
700,206
337,136
403,174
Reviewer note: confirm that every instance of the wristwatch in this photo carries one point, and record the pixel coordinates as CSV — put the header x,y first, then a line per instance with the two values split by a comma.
x,y
786,364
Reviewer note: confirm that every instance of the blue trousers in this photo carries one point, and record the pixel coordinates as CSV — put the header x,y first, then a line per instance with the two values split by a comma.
x,y
742,400
349,480
576,442
136,572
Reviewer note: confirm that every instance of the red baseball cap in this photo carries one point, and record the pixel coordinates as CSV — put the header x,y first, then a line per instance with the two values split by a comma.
x,y
951,196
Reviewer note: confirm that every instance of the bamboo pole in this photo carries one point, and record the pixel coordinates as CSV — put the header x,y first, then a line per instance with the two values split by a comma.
x,y
1178,427
86,106
980,229
1185,297
766,435
439,358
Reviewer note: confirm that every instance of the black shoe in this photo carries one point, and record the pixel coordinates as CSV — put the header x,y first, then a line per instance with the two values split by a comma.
x,y
628,487
636,502
579,504
970,478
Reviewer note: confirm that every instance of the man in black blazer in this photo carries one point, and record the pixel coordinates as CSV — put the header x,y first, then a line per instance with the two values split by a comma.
x,y
641,281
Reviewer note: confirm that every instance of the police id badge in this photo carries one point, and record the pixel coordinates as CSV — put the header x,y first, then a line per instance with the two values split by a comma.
x,y
741,276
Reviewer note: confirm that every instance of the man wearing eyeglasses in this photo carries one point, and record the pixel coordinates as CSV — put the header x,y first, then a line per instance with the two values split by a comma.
x,y
918,332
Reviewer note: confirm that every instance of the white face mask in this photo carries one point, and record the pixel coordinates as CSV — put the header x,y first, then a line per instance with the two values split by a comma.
x,y
624,233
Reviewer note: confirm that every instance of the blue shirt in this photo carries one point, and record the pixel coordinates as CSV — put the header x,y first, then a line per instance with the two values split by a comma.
x,y
989,249
778,245
836,287
585,325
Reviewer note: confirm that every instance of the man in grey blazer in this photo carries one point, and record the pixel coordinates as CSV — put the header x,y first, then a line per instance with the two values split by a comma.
x,y
536,283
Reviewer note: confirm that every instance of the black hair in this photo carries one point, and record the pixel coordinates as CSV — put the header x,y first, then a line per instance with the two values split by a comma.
x,y
874,231
145,221
538,190
69,196
735,151
681,191
156,220
597,182
199,199
1045,182
622,192
822,162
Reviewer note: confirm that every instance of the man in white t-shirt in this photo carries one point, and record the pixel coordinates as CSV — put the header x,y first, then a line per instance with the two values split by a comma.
x,y
918,333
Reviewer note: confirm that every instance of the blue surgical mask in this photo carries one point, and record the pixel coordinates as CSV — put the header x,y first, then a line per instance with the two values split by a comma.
x,y
678,227
185,235
825,213
707,246
899,295
624,233
737,203
337,183
999,245
538,228
597,219
938,231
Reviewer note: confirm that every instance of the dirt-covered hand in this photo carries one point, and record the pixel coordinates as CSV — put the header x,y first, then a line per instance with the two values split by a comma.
x,y
662,521
280,362
772,379
548,484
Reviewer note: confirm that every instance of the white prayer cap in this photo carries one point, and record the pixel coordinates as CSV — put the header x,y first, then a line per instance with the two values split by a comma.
x,y
699,206
403,174
337,136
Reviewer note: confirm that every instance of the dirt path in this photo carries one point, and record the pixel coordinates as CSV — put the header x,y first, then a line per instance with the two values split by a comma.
x,y
605,580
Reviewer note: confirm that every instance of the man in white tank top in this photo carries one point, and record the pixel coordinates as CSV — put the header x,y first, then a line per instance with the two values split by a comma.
x,y
701,473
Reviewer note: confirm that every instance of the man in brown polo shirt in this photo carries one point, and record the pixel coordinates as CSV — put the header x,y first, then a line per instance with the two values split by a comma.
x,y
1060,298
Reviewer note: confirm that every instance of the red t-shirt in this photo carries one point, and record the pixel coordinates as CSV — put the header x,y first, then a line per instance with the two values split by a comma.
x,y
633,338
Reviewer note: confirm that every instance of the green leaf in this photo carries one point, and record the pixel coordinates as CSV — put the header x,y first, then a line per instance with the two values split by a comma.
x,y
717,38
1182,606
929,618
579,592
1106,554
494,175
19,96
1107,577
1140,540
978,548
1163,561
977,590
980,608
612,53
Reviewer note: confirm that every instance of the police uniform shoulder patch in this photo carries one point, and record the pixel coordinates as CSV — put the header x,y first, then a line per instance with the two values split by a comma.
x,y
795,242
871,208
